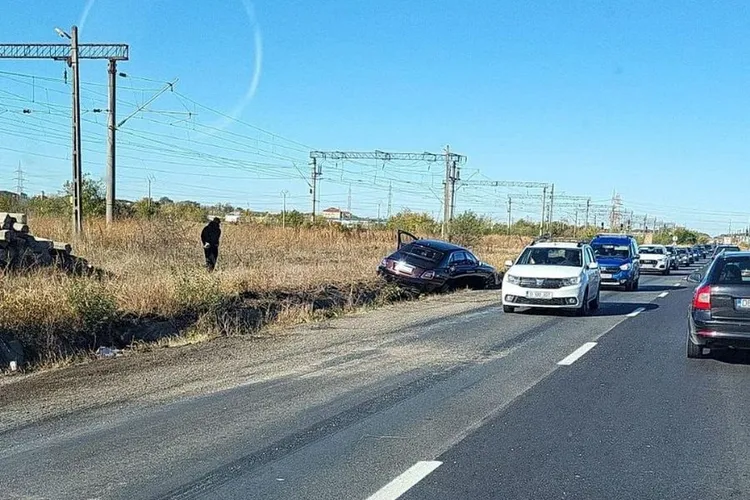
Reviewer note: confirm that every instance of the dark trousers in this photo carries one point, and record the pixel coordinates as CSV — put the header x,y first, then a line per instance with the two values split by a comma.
x,y
212,255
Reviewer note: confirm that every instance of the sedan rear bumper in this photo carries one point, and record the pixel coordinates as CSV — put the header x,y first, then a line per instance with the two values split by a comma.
x,y
719,333
418,283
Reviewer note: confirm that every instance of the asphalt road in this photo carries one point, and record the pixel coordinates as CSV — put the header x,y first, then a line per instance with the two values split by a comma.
x,y
475,406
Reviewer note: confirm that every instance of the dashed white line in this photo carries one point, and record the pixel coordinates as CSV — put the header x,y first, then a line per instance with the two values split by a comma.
x,y
406,480
663,294
636,312
573,356
676,285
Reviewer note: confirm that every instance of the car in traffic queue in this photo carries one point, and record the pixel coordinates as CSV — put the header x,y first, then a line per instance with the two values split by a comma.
x,y
655,258
724,248
719,315
553,274
435,265
683,256
618,259
673,259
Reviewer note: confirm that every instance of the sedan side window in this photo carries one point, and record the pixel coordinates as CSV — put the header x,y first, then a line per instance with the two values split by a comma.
x,y
471,259
456,259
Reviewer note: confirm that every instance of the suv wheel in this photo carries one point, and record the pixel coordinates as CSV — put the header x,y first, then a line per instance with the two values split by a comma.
x,y
636,284
509,309
694,350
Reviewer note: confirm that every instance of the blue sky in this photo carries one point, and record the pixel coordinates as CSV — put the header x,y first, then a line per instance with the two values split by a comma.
x,y
646,98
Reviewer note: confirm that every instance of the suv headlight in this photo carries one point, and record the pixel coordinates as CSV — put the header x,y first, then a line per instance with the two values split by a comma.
x,y
513,280
625,267
571,281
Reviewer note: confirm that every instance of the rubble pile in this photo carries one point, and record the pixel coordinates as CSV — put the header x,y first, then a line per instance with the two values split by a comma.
x,y
20,250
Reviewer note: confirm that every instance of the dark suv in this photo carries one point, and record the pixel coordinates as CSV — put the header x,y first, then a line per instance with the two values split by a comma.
x,y
617,255
719,315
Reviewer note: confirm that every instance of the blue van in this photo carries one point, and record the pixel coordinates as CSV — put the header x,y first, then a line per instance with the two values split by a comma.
x,y
617,255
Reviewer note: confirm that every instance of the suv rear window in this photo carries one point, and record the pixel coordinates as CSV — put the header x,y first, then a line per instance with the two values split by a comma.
x,y
551,257
731,271
652,250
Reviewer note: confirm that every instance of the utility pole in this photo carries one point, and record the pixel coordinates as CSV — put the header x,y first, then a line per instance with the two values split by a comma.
x,y
446,194
588,207
314,187
551,206
77,164
455,176
510,214
283,209
111,120
148,203
390,199
544,206
379,203
575,228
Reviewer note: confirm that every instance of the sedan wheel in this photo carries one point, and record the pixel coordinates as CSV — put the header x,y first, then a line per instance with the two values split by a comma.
x,y
694,350
583,309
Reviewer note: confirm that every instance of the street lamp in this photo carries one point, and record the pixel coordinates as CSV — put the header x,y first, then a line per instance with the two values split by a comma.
x,y
63,34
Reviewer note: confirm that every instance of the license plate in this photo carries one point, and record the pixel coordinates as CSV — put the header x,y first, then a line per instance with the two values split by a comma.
x,y
535,294
742,303
606,276
404,268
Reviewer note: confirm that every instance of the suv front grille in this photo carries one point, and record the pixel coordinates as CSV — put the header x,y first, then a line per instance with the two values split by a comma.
x,y
541,283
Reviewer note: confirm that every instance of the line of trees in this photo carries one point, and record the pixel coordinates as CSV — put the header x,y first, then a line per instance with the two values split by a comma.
x,y
466,228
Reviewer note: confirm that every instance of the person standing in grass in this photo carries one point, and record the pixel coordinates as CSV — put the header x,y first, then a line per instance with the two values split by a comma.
x,y
210,239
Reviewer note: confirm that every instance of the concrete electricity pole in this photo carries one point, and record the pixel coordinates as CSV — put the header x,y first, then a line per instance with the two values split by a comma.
x,y
284,193
314,187
588,207
447,194
551,206
544,207
510,214
77,163
111,121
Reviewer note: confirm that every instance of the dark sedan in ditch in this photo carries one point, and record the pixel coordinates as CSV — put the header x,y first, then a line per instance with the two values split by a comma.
x,y
434,265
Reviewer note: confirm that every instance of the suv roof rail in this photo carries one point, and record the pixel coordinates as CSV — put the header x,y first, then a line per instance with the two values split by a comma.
x,y
561,239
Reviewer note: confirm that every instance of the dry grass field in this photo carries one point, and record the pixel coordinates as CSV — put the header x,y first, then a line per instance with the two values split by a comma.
x,y
155,273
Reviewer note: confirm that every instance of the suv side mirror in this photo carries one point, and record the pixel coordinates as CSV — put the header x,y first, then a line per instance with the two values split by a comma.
x,y
593,265
695,277
508,263
637,256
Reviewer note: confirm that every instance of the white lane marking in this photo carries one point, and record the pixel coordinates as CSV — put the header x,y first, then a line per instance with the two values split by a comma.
x,y
677,284
573,356
663,294
405,481
636,312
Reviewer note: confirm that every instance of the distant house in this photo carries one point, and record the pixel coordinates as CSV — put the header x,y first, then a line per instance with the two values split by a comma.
x,y
233,218
333,214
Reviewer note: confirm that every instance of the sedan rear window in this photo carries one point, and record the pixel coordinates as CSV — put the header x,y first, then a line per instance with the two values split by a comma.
x,y
421,252
732,271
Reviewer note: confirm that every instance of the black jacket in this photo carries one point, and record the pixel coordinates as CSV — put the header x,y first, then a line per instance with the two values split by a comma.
x,y
211,234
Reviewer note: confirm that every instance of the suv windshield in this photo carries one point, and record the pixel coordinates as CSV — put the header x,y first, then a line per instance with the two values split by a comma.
x,y
551,257
652,250
731,271
605,250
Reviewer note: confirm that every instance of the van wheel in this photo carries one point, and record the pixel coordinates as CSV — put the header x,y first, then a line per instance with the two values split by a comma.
x,y
509,309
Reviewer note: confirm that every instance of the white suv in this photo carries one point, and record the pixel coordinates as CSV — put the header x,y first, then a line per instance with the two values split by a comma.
x,y
553,274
